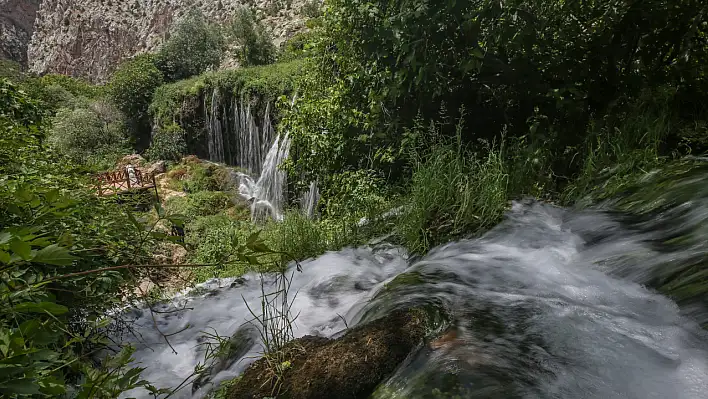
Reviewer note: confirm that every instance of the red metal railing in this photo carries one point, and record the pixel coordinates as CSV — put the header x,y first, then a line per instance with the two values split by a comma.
x,y
127,179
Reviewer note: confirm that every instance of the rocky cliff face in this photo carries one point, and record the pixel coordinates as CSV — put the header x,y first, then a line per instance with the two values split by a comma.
x,y
89,38
16,26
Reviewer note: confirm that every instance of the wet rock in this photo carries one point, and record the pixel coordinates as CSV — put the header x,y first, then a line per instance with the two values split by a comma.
x,y
349,367
238,282
239,344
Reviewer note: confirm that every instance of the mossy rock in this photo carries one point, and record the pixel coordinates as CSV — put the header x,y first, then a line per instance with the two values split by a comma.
x,y
348,367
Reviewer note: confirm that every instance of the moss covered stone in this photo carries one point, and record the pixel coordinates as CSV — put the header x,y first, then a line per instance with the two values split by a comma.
x,y
348,367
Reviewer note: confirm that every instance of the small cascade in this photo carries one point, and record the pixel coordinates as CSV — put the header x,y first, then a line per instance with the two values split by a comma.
x,y
309,200
214,122
234,135
267,194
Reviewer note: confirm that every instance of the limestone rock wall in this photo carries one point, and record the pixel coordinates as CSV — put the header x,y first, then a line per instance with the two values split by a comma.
x,y
89,38
16,26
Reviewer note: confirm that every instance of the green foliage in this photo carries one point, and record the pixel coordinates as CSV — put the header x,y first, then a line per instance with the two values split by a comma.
x,y
193,47
531,70
299,46
93,135
54,247
10,69
354,194
201,203
207,177
454,192
312,8
168,143
254,46
131,88
626,143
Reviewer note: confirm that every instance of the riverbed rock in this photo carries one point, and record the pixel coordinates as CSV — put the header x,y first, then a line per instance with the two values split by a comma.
x,y
238,346
348,367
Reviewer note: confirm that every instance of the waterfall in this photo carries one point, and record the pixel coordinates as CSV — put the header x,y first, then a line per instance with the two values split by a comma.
x,y
309,200
233,133
267,194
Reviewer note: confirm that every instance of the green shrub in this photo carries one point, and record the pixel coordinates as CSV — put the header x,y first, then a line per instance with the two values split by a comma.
x,y
206,177
10,69
93,135
312,8
53,321
354,195
193,47
254,44
131,88
202,203
214,239
168,144
299,46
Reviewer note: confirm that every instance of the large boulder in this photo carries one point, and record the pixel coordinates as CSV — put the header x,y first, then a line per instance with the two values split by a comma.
x,y
348,367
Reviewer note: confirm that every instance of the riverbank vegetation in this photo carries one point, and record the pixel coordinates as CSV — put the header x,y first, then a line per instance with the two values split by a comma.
x,y
418,123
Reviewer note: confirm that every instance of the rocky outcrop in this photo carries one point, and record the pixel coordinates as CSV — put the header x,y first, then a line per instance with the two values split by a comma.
x,y
16,26
349,367
88,38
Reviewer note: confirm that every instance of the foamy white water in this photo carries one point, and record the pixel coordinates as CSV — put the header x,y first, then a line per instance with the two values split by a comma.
x,y
537,310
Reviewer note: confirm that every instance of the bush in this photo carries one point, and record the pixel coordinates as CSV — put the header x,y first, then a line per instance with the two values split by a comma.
x,y
312,8
203,203
206,177
131,88
254,44
193,47
94,135
168,144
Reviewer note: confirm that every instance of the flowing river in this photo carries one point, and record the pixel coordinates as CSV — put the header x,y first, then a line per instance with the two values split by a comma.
x,y
551,303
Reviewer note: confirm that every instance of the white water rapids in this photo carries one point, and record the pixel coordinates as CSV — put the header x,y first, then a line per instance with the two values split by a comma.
x,y
534,313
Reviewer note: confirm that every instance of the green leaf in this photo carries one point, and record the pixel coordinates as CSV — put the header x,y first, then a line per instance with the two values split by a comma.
x,y
23,195
5,257
54,255
5,237
259,246
253,237
52,386
4,342
21,248
22,386
41,307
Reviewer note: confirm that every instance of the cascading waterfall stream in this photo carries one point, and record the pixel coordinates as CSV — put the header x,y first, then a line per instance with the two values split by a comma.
x,y
550,303
267,194
233,133
309,201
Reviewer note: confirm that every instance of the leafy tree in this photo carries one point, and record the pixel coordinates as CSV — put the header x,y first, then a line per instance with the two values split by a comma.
x,y
538,68
253,42
89,134
168,144
193,47
131,88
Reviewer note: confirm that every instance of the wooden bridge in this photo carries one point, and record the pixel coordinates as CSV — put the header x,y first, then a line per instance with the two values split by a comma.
x,y
125,180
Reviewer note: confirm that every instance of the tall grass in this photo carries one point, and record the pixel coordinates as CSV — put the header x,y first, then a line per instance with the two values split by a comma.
x,y
453,193
623,145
